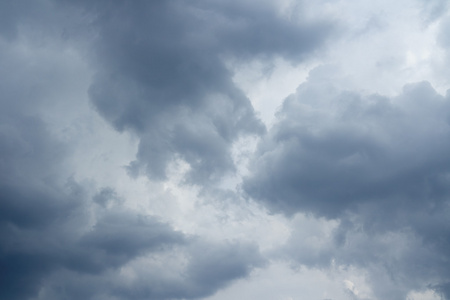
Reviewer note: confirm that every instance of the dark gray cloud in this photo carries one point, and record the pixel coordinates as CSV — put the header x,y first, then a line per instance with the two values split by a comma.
x,y
332,150
61,238
45,215
161,73
378,165
190,271
210,267
56,243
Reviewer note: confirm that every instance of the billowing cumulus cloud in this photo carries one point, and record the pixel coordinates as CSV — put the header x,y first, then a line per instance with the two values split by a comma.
x,y
333,150
57,243
62,238
161,73
377,165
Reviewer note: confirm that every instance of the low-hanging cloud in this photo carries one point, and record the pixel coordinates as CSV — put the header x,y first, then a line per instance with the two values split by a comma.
x,y
161,73
57,243
360,180
332,150
378,165
61,238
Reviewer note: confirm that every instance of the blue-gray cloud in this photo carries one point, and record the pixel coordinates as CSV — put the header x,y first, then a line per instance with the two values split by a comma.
x,y
43,218
161,74
58,243
60,238
378,165
333,150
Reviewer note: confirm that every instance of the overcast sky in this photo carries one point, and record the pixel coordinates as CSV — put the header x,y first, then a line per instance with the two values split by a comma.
x,y
225,149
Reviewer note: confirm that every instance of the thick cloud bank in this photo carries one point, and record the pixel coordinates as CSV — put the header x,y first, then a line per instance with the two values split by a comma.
x,y
58,242
162,75
378,165
62,239
138,159
333,150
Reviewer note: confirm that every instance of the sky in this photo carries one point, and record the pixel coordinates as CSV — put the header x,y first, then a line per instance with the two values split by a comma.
x,y
225,149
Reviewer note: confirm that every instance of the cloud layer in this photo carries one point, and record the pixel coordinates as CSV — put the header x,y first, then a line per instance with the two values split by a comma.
x,y
162,75
376,164
134,163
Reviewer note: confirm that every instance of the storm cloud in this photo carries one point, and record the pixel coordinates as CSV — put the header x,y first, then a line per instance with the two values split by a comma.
x,y
139,158
61,238
332,150
57,243
377,165
161,73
